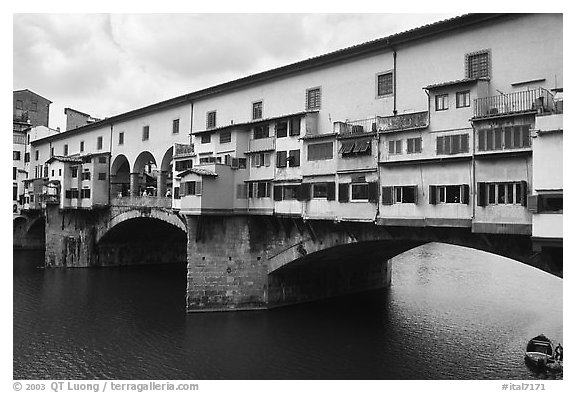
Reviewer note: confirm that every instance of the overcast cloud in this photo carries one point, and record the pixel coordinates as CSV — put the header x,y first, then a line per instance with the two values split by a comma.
x,y
108,64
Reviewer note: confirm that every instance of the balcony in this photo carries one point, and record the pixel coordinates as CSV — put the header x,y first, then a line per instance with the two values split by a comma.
x,y
263,144
539,100
356,127
181,150
407,121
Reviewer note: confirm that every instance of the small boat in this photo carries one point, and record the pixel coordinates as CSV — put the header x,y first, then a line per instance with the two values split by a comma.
x,y
539,352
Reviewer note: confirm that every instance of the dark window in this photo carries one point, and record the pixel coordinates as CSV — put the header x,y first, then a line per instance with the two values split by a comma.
x,y
183,165
51,152
452,144
65,150
405,194
442,102
225,136
74,171
205,138
26,157
259,190
319,190
121,138
281,159
320,151
15,155
85,193
313,98
414,145
175,126
36,155
60,172
281,129
463,99
145,133
478,64
385,84
295,126
359,191
101,176
508,193
395,147
99,143
290,192
294,158
449,194
260,159
81,146
14,172
86,175
211,119
261,132
257,110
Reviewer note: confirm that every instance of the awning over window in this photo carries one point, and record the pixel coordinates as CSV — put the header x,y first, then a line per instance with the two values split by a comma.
x,y
347,147
362,146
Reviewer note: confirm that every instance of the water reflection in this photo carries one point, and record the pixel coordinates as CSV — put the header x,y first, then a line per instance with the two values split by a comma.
x,y
451,313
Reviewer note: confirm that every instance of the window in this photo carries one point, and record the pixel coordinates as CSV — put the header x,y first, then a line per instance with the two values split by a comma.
x,y
210,160
463,99
282,129
359,191
281,159
145,133
385,84
225,137
99,143
211,119
452,144
546,203
395,147
442,102
508,137
14,172
399,194
192,188
51,152
101,175
261,132
290,192
295,126
121,138
85,193
36,155
74,193
19,104
257,110
175,126
81,146
502,193
26,157
259,189
320,151
320,190
66,150
313,98
15,155
414,145
478,64
205,138
60,172
294,158
102,160
449,194
86,175
74,171
183,165
260,159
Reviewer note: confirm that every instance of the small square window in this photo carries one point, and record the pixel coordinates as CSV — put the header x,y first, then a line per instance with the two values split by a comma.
x,y
463,99
313,98
257,110
442,102
205,138
225,136
385,84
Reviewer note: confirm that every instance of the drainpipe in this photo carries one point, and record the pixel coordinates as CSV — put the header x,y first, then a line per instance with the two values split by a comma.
x,y
110,165
395,112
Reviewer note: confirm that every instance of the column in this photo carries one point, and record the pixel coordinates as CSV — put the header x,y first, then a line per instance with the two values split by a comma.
x,y
134,184
161,185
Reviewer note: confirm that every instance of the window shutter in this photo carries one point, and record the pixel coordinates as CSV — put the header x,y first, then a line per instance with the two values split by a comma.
x,y
343,189
432,195
331,191
415,194
250,190
391,147
481,140
464,143
481,194
277,193
266,159
465,194
440,145
199,187
373,192
387,195
304,194
417,145
524,188
295,126
533,203
268,189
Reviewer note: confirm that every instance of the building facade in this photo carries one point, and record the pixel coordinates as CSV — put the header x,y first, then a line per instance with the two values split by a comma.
x,y
444,125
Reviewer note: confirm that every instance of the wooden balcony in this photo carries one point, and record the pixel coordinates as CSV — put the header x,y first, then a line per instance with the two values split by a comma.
x,y
263,144
181,150
406,121
538,101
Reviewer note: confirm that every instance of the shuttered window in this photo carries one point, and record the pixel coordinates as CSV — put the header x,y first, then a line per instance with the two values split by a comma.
x,y
502,193
295,126
313,98
452,144
478,64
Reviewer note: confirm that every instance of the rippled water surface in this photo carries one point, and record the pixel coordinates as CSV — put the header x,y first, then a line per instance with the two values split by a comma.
x,y
451,313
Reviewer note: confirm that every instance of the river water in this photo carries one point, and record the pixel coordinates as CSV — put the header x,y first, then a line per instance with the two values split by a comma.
x,y
451,313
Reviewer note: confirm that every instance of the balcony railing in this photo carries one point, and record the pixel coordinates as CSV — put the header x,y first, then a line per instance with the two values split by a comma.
x,y
539,100
263,144
183,150
142,201
356,126
403,122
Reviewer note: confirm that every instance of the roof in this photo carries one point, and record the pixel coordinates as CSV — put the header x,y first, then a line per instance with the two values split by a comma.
x,y
197,171
30,91
379,45
252,122
464,81
76,159
74,110
319,136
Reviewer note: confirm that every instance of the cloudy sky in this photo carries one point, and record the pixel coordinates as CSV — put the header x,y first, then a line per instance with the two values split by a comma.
x,y
106,64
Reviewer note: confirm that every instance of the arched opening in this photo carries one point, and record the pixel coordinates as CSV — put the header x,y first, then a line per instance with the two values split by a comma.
x,y
120,177
165,175
142,241
143,179
36,235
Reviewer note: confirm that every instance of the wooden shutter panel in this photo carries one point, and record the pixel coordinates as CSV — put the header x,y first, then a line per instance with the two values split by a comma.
x,y
415,194
465,194
481,194
304,194
432,195
277,193
250,190
464,143
387,195
440,145
343,189
373,192
266,159
199,188
331,191
295,126
524,188
534,203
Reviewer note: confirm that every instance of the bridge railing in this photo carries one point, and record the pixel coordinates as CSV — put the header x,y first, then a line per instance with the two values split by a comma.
x,y
142,201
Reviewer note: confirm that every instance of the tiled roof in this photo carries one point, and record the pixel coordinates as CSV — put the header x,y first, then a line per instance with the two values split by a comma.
x,y
198,171
454,82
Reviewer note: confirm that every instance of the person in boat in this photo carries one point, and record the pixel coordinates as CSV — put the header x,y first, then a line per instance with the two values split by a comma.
x,y
559,352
